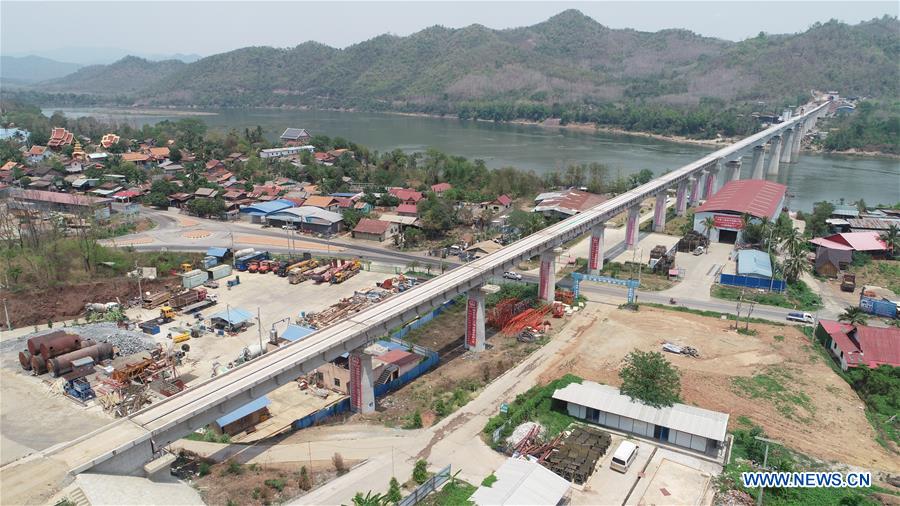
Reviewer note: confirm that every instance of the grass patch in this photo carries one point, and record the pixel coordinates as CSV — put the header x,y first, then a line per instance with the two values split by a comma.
x,y
709,314
454,493
747,332
775,386
489,480
779,338
798,296
208,436
534,405
747,455
650,280
884,273
448,402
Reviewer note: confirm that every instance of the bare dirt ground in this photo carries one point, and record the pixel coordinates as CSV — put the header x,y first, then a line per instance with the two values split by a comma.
x,y
459,373
259,485
67,302
775,378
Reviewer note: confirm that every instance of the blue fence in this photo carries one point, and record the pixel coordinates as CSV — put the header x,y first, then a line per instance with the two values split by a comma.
x,y
777,285
429,361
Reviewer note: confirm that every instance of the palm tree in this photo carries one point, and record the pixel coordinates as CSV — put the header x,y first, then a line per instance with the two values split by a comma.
x,y
854,316
709,224
795,266
891,238
792,242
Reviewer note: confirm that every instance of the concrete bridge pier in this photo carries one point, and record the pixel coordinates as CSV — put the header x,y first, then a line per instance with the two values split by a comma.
x,y
681,198
799,131
659,212
710,187
695,190
547,284
631,226
759,161
475,333
362,382
787,145
774,155
128,463
595,254
734,170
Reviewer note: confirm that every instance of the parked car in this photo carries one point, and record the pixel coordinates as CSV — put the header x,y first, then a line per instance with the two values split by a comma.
x,y
624,456
512,275
699,251
800,317
289,227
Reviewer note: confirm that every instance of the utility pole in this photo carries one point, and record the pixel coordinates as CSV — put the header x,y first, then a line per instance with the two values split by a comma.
x,y
259,330
6,312
759,499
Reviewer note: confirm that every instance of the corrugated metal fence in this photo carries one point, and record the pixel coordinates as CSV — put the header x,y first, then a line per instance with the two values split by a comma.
x,y
426,488
750,282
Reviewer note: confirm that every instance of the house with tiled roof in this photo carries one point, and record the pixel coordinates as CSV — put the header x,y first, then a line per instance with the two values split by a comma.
x,y
214,164
323,202
441,187
37,154
857,345
406,195
295,137
59,138
159,154
108,140
324,158
407,210
136,158
375,230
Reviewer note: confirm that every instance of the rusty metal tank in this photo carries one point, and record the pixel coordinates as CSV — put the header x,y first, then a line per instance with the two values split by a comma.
x,y
62,364
38,365
34,344
59,345
25,359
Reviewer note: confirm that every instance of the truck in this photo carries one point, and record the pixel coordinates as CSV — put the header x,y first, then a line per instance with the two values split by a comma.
x,y
285,266
189,297
242,263
301,271
264,267
848,282
210,300
345,272
101,307
166,314
152,300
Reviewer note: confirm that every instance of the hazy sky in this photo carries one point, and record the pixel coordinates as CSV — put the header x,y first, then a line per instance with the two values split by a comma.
x,y
208,27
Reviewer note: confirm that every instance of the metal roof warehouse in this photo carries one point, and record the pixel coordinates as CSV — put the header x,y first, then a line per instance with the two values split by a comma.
x,y
699,429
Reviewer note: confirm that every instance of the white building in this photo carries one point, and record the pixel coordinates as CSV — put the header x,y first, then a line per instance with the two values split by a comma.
x,y
287,151
690,427
522,482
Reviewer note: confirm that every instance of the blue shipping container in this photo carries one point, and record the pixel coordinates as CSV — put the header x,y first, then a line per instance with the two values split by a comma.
x,y
877,307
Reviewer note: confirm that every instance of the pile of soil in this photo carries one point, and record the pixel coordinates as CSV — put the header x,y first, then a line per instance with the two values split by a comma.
x,y
36,307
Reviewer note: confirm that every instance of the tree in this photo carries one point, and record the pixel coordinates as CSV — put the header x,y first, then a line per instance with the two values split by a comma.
x,y
854,316
648,377
891,238
792,243
369,499
437,215
206,207
709,224
157,199
351,218
420,472
815,221
305,479
393,494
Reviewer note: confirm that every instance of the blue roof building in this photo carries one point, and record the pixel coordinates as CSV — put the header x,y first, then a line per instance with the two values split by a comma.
x,y
297,332
232,317
217,252
751,262
243,417
260,209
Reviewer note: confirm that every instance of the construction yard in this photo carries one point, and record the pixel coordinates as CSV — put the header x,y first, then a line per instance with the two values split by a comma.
x,y
191,360
775,378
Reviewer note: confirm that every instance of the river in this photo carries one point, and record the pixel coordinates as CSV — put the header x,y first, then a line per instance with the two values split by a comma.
x,y
814,178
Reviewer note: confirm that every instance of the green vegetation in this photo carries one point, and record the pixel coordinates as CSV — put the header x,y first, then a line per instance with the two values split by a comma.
x,y
394,495
535,405
709,314
777,385
815,222
454,493
414,422
884,273
854,315
748,455
208,436
797,296
448,402
276,483
489,480
491,75
649,378
369,499
874,126
521,291
420,472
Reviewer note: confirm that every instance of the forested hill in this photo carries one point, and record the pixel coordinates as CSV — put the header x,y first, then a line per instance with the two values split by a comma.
x,y
567,61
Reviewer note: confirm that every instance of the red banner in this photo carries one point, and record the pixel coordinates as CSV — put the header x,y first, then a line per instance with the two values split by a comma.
x,y
726,221
355,382
471,322
595,252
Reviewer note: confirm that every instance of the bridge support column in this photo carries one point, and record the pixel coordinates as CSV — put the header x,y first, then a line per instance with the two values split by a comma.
x,y
759,162
787,145
631,226
799,130
774,155
659,213
711,176
362,382
695,189
475,320
547,284
734,170
681,198
595,254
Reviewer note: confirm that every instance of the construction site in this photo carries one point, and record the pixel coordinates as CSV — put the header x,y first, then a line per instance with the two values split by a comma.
x,y
162,340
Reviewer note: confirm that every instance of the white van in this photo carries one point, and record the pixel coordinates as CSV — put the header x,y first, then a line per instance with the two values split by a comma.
x,y
624,456
800,317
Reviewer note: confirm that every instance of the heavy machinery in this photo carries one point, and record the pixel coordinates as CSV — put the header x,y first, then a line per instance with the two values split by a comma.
x,y
301,271
264,267
186,267
848,282
253,266
210,300
79,389
188,297
345,272
152,300
179,335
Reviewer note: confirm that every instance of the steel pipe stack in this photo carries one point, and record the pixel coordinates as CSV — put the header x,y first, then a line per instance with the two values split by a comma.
x,y
39,363
63,363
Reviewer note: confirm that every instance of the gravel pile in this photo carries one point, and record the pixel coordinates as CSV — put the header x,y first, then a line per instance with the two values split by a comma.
x,y
128,342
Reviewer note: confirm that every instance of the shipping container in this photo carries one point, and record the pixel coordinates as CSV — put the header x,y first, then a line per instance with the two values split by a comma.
x,y
877,307
220,271
210,262
195,281
191,273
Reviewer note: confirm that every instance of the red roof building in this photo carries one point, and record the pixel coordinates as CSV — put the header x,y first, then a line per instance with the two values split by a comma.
x,y
60,137
108,140
212,164
852,241
375,230
407,210
757,197
860,345
406,195
441,187
565,203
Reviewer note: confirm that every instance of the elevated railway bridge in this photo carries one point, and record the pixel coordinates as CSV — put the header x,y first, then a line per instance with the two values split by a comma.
x,y
126,445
